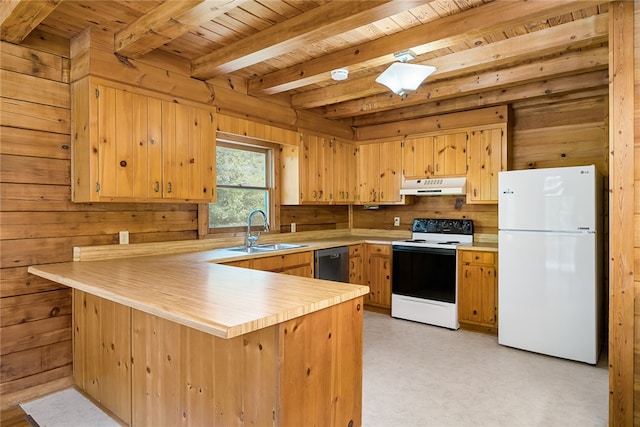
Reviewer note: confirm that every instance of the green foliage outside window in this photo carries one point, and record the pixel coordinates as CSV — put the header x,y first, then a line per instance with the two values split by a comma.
x,y
242,180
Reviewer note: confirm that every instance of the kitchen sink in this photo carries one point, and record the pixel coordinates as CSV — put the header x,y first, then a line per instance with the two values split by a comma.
x,y
265,247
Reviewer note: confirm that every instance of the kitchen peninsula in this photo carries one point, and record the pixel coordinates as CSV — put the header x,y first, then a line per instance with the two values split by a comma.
x,y
175,340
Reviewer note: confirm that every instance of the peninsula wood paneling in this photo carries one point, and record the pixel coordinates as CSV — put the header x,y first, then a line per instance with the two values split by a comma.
x,y
40,224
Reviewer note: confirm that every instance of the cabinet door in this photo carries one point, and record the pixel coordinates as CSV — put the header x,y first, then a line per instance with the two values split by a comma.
x,y
488,296
390,167
378,275
189,152
417,157
450,155
486,154
154,148
355,264
107,153
316,175
469,293
146,164
344,172
169,160
368,165
324,166
115,129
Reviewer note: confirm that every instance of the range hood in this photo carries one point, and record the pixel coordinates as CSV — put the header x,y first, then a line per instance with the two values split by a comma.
x,y
433,186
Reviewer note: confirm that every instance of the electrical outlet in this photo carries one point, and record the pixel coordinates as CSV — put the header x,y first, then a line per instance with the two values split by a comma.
x,y
124,237
396,221
293,227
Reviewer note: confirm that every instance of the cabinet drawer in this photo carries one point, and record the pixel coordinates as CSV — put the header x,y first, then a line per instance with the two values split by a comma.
x,y
243,263
478,257
379,249
279,262
355,250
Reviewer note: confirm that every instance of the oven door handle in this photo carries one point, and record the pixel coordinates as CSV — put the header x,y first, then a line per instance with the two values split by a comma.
x,y
423,250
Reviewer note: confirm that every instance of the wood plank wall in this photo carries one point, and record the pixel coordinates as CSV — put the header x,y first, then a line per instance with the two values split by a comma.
x,y
40,225
313,218
636,220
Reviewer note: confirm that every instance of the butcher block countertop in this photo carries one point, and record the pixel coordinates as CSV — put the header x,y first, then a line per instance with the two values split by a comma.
x,y
192,289
221,300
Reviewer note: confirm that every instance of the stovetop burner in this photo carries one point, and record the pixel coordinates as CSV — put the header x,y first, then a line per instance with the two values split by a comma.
x,y
439,233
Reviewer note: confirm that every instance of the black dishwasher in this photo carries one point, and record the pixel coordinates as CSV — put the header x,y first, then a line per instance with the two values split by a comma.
x,y
332,264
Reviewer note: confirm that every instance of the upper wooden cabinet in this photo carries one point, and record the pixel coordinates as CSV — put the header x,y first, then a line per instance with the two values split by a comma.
x,y
131,146
316,169
319,170
417,157
433,156
379,168
344,172
487,154
450,154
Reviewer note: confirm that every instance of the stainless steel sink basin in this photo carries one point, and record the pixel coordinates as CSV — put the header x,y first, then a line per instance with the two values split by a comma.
x,y
265,247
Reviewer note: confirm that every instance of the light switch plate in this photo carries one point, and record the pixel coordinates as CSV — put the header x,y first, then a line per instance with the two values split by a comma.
x,y
124,237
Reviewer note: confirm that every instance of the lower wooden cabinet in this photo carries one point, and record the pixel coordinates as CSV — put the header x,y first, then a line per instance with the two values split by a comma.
x,y
355,264
296,264
369,264
478,290
377,275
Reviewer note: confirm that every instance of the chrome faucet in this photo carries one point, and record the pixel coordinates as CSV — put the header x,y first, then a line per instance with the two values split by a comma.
x,y
250,238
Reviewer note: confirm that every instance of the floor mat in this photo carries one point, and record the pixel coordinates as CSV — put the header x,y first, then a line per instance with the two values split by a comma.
x,y
66,408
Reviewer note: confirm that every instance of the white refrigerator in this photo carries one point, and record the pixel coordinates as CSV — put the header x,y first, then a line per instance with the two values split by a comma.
x,y
550,259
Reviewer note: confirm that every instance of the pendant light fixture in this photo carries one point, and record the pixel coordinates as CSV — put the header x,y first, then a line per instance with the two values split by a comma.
x,y
401,77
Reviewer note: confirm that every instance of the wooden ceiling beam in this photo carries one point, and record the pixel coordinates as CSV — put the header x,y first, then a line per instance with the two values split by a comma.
x,y
19,17
570,63
317,24
561,86
166,22
444,32
571,36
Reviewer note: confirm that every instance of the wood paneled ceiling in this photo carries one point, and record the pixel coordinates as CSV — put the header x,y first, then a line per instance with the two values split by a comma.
x,y
486,51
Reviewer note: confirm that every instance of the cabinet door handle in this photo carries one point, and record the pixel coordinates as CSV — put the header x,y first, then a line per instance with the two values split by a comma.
x,y
169,188
381,195
123,163
315,194
156,186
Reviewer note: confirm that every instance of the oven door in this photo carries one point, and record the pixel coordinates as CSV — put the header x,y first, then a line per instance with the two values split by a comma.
x,y
426,273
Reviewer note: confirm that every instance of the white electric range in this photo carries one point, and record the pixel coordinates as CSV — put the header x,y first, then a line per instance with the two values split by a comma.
x,y
424,280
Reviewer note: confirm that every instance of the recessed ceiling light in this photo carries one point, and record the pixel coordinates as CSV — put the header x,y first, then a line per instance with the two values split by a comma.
x,y
340,74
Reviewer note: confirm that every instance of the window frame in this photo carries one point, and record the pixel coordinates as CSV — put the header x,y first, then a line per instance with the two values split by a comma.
x,y
271,151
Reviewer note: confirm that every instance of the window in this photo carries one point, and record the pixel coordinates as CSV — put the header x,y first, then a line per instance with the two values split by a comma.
x,y
243,179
